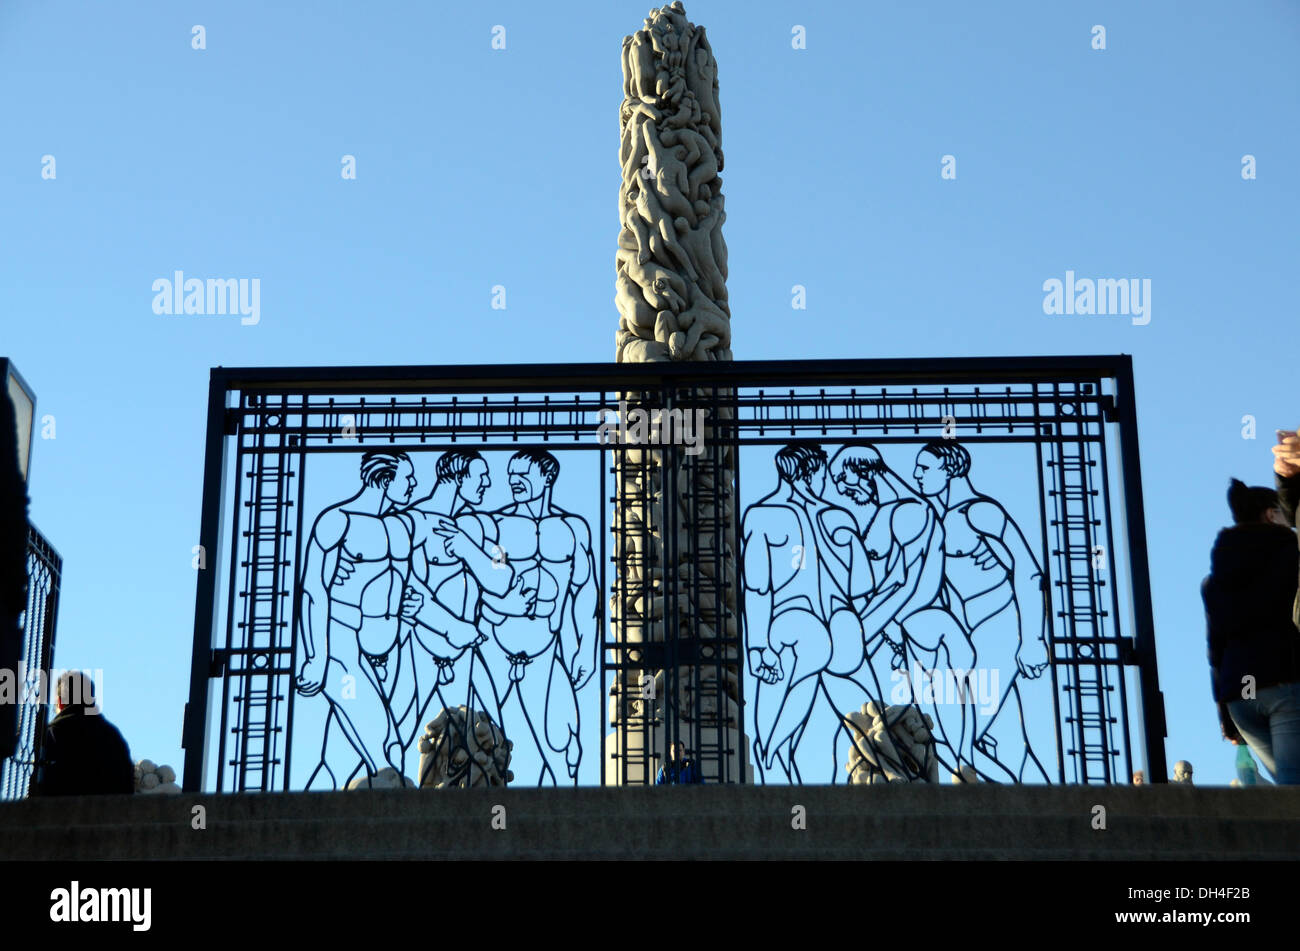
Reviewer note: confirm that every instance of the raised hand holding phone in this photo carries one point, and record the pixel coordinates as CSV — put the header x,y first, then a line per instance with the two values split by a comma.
x,y
1286,454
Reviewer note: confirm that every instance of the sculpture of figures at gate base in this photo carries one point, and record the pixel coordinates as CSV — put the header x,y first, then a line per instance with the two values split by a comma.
x,y
386,778
1183,772
463,748
150,778
891,744
967,775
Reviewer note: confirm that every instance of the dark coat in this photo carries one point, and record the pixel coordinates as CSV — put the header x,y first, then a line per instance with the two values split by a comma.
x,y
685,772
1249,596
84,755
1288,493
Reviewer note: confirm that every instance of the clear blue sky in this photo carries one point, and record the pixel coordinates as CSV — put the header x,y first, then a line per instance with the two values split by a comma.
x,y
478,167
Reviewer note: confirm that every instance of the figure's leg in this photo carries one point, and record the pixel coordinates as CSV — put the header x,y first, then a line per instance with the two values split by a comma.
x,y
343,751
527,707
805,651
848,673
846,693
1000,741
349,729
936,642
335,749
562,715
374,685
404,704
847,648
481,687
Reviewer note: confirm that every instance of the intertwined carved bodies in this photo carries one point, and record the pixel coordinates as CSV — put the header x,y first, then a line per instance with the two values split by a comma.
x,y
671,211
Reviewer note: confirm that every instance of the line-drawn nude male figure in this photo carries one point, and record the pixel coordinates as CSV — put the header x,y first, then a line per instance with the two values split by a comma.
x,y
549,656
904,624
804,571
994,587
457,562
357,617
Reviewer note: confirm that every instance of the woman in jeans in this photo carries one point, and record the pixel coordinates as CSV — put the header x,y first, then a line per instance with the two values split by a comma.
x,y
1254,642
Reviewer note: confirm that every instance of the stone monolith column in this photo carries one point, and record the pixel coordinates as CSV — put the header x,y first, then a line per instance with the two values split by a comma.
x,y
671,293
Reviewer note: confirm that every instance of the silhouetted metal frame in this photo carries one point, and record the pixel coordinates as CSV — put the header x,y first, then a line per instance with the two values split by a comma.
x,y
615,378
40,621
1152,711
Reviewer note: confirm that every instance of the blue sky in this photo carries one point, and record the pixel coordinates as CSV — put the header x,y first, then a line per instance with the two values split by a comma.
x,y
479,167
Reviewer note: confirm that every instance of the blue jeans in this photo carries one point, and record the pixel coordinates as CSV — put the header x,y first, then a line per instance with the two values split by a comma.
x,y
1270,725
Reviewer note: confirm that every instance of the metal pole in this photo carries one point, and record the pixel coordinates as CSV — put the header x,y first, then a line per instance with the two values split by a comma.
x,y
194,733
1150,697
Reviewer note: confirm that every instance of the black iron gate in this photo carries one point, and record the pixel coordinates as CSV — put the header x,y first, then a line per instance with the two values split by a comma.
x,y
552,572
34,680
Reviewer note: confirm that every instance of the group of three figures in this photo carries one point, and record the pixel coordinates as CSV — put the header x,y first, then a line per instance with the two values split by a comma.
x,y
405,601
849,592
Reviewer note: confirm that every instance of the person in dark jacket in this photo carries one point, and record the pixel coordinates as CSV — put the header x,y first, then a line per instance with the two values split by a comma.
x,y
679,769
1286,467
1254,645
84,754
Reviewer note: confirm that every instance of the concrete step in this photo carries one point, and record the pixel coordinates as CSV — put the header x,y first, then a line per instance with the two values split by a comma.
x,y
889,822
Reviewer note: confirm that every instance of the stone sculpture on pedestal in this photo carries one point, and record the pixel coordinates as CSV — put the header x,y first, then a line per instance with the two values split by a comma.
x,y
152,778
464,748
891,744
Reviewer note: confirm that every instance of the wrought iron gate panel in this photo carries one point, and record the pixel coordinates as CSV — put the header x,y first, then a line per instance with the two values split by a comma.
x,y
662,566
